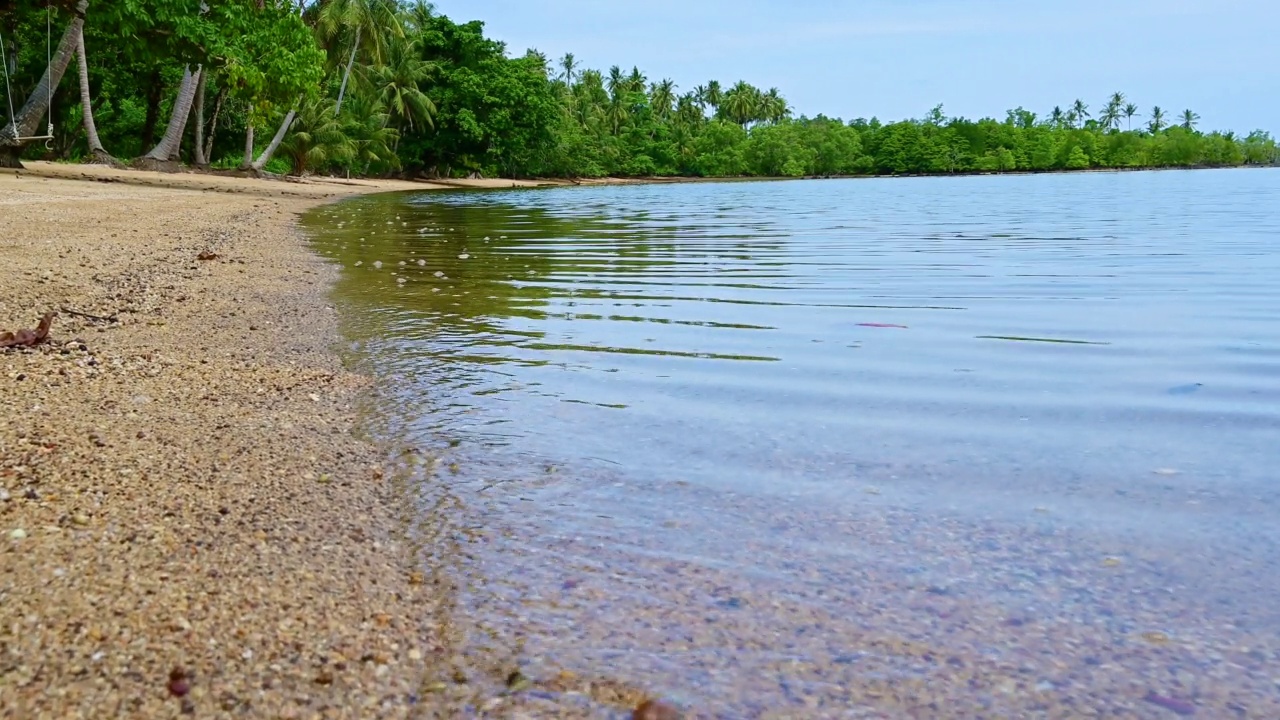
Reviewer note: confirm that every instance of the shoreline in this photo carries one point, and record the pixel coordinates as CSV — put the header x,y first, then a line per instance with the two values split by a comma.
x,y
323,188
187,521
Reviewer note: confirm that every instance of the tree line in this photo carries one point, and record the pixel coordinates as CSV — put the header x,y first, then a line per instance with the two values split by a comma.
x,y
388,87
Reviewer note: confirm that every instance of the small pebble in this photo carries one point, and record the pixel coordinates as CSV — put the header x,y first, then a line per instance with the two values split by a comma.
x,y
17,533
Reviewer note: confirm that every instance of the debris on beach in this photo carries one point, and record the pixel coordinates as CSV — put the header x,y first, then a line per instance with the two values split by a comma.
x,y
179,682
207,255
655,710
28,338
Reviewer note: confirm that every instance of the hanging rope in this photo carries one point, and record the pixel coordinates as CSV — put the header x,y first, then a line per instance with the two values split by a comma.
x,y
48,63
4,60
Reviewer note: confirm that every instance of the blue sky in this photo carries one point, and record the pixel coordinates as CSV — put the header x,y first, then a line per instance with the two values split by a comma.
x,y
898,58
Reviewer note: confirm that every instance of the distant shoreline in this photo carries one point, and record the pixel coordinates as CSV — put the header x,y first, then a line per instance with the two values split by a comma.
x,y
321,187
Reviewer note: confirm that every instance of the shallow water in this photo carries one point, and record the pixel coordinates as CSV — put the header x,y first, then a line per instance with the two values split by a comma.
x,y
865,448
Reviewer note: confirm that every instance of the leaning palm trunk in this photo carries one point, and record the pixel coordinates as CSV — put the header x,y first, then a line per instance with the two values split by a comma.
x,y
26,121
274,145
167,148
98,152
346,74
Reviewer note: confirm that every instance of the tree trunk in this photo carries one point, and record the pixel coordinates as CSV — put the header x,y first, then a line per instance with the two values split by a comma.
x,y
213,125
265,157
168,145
26,121
199,156
346,75
98,152
247,163
155,93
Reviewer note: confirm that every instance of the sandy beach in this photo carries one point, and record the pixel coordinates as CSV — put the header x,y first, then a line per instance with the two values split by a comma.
x,y
188,524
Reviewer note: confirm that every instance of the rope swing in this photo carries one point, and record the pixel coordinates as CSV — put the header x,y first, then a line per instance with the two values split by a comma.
x,y
8,88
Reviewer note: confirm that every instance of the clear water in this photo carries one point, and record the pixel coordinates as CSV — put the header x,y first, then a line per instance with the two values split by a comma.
x,y
1068,378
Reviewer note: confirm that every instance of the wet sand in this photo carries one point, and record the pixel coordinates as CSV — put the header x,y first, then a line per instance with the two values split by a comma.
x,y
188,524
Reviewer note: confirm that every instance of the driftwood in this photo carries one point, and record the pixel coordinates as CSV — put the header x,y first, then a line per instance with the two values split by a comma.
x,y
87,316
28,338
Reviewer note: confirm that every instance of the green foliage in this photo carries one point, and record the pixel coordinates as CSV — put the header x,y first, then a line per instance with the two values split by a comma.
x,y
428,95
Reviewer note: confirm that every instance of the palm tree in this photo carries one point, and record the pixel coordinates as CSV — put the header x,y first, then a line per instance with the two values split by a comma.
x,y
1111,115
317,139
661,97
1129,111
700,96
689,110
167,148
396,85
367,127
636,80
617,83
569,64
1189,120
773,107
1080,110
377,19
714,95
1057,118
418,17
98,152
1157,122
742,103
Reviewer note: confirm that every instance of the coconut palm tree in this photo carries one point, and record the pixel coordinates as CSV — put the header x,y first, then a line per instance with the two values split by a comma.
x,y
373,138
569,65
318,139
1111,115
616,83
1057,117
396,85
700,96
1157,122
167,148
742,103
689,112
1189,119
1080,110
98,152
714,95
1129,111
376,20
662,96
773,107
636,80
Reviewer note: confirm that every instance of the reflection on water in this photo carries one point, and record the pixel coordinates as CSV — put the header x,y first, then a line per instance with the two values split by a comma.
x,y
1043,409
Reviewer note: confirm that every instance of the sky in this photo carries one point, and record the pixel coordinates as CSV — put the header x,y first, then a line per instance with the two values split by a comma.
x,y
896,59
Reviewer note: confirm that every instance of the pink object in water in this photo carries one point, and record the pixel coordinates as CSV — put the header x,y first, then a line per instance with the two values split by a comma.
x,y
882,325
